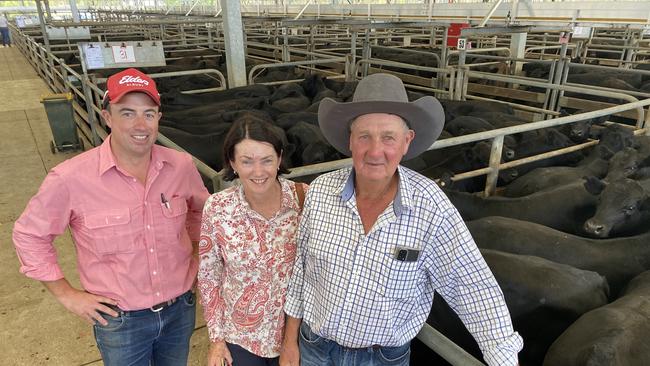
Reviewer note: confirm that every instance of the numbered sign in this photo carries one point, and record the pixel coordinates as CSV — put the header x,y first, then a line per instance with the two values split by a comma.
x,y
123,54
462,43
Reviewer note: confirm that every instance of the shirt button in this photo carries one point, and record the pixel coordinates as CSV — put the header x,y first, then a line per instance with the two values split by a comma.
x,y
148,227
134,180
157,293
154,273
151,250
145,203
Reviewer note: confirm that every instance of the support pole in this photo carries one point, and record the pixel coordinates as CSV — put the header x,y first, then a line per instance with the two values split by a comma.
x,y
234,42
490,13
75,11
302,11
517,50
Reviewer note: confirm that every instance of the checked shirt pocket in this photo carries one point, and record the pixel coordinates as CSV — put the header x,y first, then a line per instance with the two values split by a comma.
x,y
401,279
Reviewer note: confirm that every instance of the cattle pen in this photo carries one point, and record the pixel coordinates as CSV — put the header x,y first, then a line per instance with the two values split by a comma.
x,y
543,71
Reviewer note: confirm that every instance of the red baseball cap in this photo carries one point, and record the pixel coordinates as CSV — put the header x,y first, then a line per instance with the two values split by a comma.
x,y
127,81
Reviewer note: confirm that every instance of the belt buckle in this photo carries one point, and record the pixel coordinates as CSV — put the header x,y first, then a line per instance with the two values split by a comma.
x,y
158,307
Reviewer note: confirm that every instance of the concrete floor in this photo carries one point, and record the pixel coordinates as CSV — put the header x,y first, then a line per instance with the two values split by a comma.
x,y
34,328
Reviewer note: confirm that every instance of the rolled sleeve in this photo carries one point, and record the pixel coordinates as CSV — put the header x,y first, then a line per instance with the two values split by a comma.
x,y
46,216
505,352
474,294
198,195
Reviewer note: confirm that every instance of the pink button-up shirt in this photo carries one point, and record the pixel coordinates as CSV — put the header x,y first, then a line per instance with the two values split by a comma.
x,y
131,247
245,265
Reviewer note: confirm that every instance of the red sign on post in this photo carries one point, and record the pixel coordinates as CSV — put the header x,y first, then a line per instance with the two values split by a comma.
x,y
453,33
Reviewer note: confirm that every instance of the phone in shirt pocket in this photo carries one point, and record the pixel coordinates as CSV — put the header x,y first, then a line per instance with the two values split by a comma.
x,y
111,230
403,272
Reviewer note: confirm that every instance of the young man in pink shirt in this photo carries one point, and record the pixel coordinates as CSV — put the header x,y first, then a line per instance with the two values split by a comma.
x,y
134,211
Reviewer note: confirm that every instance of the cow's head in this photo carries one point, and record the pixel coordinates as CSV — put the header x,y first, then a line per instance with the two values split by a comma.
x,y
619,203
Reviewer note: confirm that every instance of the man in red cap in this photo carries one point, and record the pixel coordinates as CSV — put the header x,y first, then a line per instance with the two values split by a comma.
x,y
134,211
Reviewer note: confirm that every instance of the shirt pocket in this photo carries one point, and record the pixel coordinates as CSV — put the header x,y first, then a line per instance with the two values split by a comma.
x,y
111,230
402,278
174,217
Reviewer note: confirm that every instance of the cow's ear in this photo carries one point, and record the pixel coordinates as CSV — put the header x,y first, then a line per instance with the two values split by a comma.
x,y
594,185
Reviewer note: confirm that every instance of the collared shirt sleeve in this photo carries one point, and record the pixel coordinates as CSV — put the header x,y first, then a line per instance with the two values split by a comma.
x,y
293,305
472,292
211,272
47,215
198,195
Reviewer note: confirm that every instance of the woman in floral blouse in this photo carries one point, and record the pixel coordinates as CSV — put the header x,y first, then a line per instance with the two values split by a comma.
x,y
247,249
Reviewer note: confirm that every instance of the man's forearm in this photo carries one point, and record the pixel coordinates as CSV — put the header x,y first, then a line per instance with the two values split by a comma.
x,y
59,288
291,327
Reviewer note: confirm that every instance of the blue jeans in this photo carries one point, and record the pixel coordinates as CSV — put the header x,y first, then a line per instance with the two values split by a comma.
x,y
5,36
319,351
144,337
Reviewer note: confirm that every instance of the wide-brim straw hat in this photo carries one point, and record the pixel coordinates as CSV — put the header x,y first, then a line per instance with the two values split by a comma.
x,y
382,93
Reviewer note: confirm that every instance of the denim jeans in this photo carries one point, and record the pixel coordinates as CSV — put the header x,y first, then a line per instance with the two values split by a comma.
x,y
319,351
144,337
243,357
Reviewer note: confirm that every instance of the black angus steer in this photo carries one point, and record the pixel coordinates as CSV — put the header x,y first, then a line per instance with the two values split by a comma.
x,y
618,259
540,312
623,207
564,207
614,335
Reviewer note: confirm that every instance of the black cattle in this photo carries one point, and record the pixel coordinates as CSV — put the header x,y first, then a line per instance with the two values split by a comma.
x,y
564,208
213,111
580,131
465,125
311,145
623,207
544,297
260,115
218,127
455,108
315,88
539,311
445,163
541,141
207,148
618,259
548,177
175,98
289,98
287,120
614,335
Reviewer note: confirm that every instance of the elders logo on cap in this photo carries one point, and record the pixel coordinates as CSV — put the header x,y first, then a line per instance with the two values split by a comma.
x,y
127,81
132,79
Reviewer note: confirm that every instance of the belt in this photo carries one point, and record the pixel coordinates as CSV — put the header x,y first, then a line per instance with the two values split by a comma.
x,y
158,307
155,308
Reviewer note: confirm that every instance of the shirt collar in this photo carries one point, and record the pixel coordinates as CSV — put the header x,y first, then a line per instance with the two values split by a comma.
x,y
107,159
402,199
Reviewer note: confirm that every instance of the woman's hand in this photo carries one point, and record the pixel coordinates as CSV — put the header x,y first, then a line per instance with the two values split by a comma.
x,y
219,354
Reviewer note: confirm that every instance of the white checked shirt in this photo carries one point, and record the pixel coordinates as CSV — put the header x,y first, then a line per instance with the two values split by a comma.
x,y
349,288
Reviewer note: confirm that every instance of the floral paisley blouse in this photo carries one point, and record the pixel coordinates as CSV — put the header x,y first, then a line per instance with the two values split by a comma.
x,y
245,263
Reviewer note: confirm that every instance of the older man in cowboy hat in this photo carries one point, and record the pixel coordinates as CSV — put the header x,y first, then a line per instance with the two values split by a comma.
x,y
376,240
